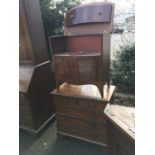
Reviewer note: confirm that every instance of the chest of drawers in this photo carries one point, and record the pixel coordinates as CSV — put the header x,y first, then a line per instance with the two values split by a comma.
x,y
80,116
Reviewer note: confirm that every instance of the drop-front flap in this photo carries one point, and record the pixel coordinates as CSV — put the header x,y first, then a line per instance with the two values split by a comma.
x,y
25,76
92,13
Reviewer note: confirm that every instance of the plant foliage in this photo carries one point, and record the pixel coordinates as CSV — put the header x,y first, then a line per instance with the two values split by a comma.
x,y
53,14
123,69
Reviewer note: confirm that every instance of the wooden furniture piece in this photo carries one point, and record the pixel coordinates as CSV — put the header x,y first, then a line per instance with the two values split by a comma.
x,y
35,107
35,75
32,43
121,131
89,18
82,59
79,112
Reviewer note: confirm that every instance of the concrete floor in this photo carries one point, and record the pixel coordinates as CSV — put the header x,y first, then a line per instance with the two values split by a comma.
x,y
49,144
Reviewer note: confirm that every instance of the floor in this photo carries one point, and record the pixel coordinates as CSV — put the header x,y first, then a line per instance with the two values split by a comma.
x,y
49,144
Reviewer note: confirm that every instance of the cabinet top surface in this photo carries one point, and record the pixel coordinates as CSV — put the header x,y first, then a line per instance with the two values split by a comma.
x,y
88,90
123,117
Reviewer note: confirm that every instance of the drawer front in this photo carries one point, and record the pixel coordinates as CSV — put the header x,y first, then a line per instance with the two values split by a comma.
x,y
90,105
23,99
73,112
87,125
86,115
82,133
25,111
64,101
26,122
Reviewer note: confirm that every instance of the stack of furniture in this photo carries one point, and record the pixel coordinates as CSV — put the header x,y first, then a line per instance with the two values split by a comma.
x,y
81,63
121,129
35,76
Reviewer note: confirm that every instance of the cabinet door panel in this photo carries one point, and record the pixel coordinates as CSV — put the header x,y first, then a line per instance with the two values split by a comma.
x,y
25,48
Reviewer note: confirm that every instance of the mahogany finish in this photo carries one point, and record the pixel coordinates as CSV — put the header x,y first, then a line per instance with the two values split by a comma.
x,y
35,75
79,112
35,108
90,18
89,14
82,59
33,48
81,63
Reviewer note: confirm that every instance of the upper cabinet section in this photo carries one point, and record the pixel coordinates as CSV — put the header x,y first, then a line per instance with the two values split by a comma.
x,y
90,18
32,42
84,44
25,47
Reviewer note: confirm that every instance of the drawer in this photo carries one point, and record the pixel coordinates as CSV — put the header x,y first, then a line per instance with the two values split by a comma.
x,y
82,133
86,115
91,105
23,99
25,111
90,126
64,101
26,122
73,112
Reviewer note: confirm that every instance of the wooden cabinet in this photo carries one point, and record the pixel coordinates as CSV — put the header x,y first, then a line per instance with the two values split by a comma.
x,y
32,43
82,59
35,107
121,136
81,116
35,75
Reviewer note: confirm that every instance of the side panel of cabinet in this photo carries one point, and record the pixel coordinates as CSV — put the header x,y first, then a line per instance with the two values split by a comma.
x,y
25,47
36,30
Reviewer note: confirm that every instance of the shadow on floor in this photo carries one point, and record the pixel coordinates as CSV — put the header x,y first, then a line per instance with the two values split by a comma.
x,y
49,144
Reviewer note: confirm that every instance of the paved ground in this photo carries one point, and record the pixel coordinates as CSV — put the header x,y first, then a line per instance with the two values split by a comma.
x,y
49,144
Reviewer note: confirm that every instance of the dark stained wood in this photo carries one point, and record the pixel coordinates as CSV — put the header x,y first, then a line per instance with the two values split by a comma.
x,y
89,18
25,76
87,43
82,59
35,107
121,136
82,133
25,46
33,48
87,125
89,14
35,75
80,114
